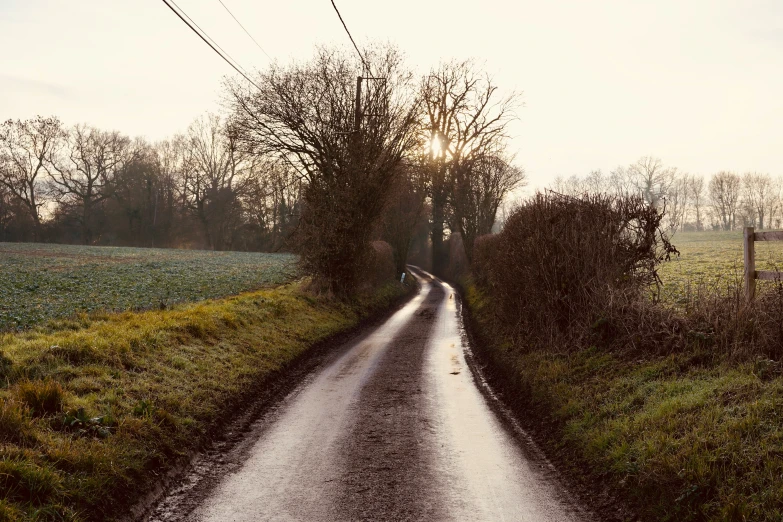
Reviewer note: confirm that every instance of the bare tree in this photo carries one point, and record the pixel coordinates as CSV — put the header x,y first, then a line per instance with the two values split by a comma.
x,y
776,202
759,196
7,214
620,182
593,183
570,186
651,179
272,203
305,116
724,194
465,118
676,203
26,149
80,179
696,196
478,192
215,173
404,211
141,208
596,183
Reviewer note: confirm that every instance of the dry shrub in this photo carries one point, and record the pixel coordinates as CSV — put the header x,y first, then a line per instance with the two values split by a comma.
x,y
717,323
483,250
730,326
558,257
457,264
380,267
333,243
574,272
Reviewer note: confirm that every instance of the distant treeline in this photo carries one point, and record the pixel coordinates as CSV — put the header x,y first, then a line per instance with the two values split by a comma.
x,y
298,161
723,201
85,185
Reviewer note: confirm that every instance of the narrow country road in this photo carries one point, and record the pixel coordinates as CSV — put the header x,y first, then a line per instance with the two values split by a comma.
x,y
394,428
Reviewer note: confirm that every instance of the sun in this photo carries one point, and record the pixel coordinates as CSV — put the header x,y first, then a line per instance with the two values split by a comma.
x,y
436,147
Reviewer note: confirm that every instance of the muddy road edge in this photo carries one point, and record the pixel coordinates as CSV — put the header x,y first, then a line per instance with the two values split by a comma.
x,y
233,425
538,435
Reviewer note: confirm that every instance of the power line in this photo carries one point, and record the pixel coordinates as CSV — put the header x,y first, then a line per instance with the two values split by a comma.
x,y
207,35
206,41
243,28
364,62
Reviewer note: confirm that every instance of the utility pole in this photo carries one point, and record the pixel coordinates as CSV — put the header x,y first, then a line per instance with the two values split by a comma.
x,y
357,118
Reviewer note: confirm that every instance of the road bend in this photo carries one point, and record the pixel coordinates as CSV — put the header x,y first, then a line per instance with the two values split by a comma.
x,y
394,428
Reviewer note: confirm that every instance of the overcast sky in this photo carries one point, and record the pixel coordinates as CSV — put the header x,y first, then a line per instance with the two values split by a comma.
x,y
698,83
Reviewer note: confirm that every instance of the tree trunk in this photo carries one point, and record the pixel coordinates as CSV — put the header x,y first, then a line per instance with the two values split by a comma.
x,y
86,231
438,253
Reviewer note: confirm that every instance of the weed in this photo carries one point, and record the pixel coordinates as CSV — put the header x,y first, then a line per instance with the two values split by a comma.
x,y
14,422
28,483
82,424
43,397
6,366
143,408
9,512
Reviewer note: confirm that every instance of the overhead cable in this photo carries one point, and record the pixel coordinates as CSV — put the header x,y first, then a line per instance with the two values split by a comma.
x,y
207,39
243,28
361,57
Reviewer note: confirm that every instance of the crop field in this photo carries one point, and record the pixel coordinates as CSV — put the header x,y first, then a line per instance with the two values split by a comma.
x,y
39,282
712,261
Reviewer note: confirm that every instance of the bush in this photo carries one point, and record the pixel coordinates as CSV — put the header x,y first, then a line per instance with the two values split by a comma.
x,y
724,322
559,257
484,249
380,264
457,264
676,411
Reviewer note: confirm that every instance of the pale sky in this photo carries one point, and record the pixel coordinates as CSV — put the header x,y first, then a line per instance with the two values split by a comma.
x,y
697,83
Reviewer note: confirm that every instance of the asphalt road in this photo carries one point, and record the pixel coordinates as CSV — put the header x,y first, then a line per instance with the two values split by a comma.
x,y
395,427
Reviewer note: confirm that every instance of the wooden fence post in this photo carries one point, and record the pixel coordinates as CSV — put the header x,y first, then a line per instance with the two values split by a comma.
x,y
750,264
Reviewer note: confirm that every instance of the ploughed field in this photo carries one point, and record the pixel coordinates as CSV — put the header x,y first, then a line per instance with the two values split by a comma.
x,y
41,282
713,261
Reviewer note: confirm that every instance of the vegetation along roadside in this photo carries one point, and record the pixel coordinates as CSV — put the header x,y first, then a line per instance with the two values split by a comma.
x,y
676,412
91,413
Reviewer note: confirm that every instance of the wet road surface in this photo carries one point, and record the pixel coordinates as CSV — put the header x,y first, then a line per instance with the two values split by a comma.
x,y
394,428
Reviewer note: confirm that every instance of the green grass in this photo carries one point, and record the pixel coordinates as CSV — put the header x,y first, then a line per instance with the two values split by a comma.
x,y
712,261
92,412
44,282
689,436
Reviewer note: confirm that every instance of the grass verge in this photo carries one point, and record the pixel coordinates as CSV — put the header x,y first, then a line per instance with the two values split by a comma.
x,y
91,410
686,436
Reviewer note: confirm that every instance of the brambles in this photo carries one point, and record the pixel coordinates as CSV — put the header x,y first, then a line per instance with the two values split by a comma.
x,y
672,403
44,282
559,256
